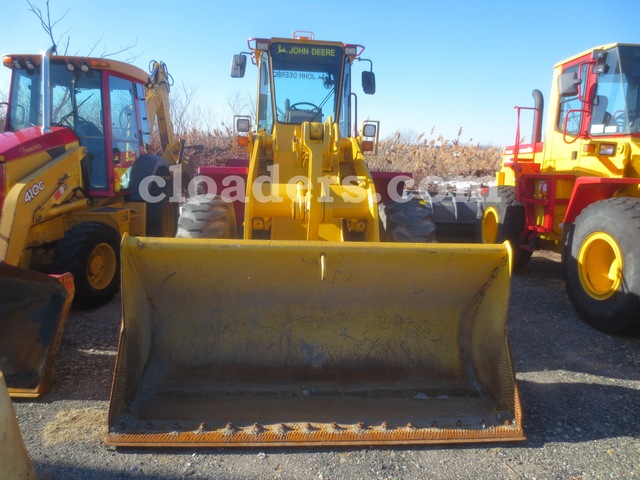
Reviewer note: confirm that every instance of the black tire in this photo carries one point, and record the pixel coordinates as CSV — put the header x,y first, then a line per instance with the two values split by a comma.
x,y
408,221
604,239
162,215
91,252
500,219
204,217
162,219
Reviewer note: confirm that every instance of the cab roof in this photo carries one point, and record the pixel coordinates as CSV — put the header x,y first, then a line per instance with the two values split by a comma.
x,y
23,60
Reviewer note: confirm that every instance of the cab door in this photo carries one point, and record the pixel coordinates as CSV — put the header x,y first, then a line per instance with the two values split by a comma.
x,y
125,133
568,120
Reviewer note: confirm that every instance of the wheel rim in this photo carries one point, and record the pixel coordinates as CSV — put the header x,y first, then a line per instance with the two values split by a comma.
x,y
101,267
600,266
489,229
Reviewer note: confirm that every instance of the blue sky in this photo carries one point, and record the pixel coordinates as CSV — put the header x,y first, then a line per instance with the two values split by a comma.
x,y
446,64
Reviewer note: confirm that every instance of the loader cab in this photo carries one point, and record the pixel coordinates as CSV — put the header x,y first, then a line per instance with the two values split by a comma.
x,y
104,108
616,103
302,80
595,104
599,93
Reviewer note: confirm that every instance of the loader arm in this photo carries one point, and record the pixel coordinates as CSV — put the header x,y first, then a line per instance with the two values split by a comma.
x,y
330,197
39,196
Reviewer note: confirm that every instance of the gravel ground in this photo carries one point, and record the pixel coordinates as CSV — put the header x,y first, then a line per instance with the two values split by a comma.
x,y
580,392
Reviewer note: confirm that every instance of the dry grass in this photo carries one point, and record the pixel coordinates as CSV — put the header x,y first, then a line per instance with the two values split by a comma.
x,y
211,142
438,157
422,157
88,425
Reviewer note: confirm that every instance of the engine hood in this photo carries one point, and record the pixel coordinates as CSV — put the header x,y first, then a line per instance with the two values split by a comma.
x,y
29,141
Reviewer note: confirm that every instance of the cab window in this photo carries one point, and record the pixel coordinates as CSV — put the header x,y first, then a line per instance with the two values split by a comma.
x,y
125,129
345,100
570,109
265,114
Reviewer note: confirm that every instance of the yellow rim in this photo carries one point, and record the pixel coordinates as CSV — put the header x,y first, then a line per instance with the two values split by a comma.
x,y
101,266
600,265
490,224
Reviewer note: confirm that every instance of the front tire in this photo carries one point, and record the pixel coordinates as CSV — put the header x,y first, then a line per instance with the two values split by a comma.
x,y
501,219
408,221
601,264
91,252
203,217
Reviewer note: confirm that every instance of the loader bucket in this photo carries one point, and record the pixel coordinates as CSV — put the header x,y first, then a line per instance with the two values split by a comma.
x,y
33,312
274,343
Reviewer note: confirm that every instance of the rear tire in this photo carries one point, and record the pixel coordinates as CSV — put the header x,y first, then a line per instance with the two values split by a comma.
x,y
202,217
162,219
601,263
162,215
91,252
501,219
408,221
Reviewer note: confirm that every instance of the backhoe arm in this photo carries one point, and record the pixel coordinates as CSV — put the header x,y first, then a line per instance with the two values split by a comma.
x,y
158,110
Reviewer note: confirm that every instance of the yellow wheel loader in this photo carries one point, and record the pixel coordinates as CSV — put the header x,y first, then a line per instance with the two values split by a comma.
x,y
309,329
578,192
75,175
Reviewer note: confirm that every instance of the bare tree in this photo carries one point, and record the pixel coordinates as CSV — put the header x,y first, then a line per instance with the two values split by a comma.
x,y
48,25
241,104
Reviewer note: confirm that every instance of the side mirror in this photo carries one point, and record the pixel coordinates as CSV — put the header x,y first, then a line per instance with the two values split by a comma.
x,y
238,65
568,83
369,82
599,66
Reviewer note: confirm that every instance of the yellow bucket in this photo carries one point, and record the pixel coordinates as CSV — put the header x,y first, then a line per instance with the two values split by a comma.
x,y
247,343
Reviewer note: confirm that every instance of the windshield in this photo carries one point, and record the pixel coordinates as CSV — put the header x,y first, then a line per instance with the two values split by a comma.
x,y
305,80
617,101
75,97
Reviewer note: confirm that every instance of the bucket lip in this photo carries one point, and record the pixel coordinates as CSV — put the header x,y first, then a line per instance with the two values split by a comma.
x,y
453,248
312,434
345,435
